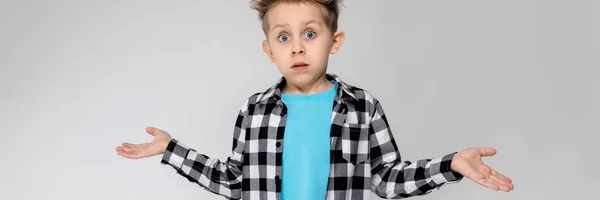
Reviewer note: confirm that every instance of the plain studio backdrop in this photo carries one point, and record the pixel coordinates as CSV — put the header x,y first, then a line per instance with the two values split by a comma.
x,y
78,78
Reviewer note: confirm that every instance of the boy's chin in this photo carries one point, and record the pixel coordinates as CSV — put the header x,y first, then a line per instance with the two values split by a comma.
x,y
301,79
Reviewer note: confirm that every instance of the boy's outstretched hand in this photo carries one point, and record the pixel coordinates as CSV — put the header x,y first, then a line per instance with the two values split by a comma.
x,y
469,163
156,147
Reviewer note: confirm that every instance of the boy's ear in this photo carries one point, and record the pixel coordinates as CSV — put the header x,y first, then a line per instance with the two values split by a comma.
x,y
338,40
267,50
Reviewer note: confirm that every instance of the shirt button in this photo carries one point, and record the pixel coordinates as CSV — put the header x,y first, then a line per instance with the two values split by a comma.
x,y
278,144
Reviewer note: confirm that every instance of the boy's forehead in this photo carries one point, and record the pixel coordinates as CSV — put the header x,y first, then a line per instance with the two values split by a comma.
x,y
293,14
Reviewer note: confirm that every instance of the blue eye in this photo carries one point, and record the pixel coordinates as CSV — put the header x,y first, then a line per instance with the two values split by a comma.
x,y
309,34
283,38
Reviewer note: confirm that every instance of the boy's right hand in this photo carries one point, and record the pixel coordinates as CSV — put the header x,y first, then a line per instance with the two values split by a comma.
x,y
156,147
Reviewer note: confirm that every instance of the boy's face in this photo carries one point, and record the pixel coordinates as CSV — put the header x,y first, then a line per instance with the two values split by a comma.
x,y
299,42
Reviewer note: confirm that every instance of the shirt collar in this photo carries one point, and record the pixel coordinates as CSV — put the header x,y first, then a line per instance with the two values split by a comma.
x,y
273,94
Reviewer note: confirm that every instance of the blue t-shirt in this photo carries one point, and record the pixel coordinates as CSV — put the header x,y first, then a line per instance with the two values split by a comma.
x,y
305,164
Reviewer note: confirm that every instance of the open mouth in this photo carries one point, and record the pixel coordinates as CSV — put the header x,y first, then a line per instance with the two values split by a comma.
x,y
300,66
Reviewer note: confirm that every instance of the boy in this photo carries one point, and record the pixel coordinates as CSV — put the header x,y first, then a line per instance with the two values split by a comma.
x,y
337,141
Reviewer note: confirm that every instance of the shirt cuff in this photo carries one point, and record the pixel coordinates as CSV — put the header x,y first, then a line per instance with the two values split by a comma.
x,y
175,154
441,172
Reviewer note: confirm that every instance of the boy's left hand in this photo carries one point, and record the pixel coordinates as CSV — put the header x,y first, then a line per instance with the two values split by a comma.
x,y
469,163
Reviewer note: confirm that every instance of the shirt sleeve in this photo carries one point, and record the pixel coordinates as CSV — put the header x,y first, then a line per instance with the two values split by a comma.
x,y
394,178
220,177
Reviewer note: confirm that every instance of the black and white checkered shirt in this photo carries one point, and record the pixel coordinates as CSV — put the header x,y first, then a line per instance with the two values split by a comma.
x,y
364,156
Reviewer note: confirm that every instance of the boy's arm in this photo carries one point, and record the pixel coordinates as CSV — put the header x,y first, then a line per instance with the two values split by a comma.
x,y
220,177
394,178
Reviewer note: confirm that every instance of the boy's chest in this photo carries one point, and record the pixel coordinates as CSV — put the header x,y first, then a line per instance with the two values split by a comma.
x,y
266,129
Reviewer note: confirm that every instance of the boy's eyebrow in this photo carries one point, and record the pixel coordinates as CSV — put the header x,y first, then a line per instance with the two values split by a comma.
x,y
305,23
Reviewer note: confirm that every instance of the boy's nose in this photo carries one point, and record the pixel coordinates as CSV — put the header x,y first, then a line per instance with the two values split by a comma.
x,y
298,49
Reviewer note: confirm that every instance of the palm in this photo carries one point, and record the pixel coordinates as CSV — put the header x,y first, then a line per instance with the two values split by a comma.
x,y
469,163
142,150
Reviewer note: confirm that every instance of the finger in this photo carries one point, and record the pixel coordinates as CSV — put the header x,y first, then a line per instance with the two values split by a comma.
x,y
126,154
126,149
489,184
487,151
501,177
129,145
492,184
504,186
497,178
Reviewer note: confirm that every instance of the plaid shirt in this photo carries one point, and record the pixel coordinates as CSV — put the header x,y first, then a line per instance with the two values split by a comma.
x,y
364,155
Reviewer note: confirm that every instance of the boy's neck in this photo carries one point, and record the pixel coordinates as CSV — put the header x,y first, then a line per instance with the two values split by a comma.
x,y
320,85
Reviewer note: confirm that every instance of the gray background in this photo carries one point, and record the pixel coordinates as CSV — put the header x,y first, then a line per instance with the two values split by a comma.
x,y
77,78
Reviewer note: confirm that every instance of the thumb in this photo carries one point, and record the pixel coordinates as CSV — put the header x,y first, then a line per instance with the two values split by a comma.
x,y
151,130
487,151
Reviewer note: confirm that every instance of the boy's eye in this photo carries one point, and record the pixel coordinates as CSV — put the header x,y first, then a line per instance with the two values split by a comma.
x,y
283,38
309,34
